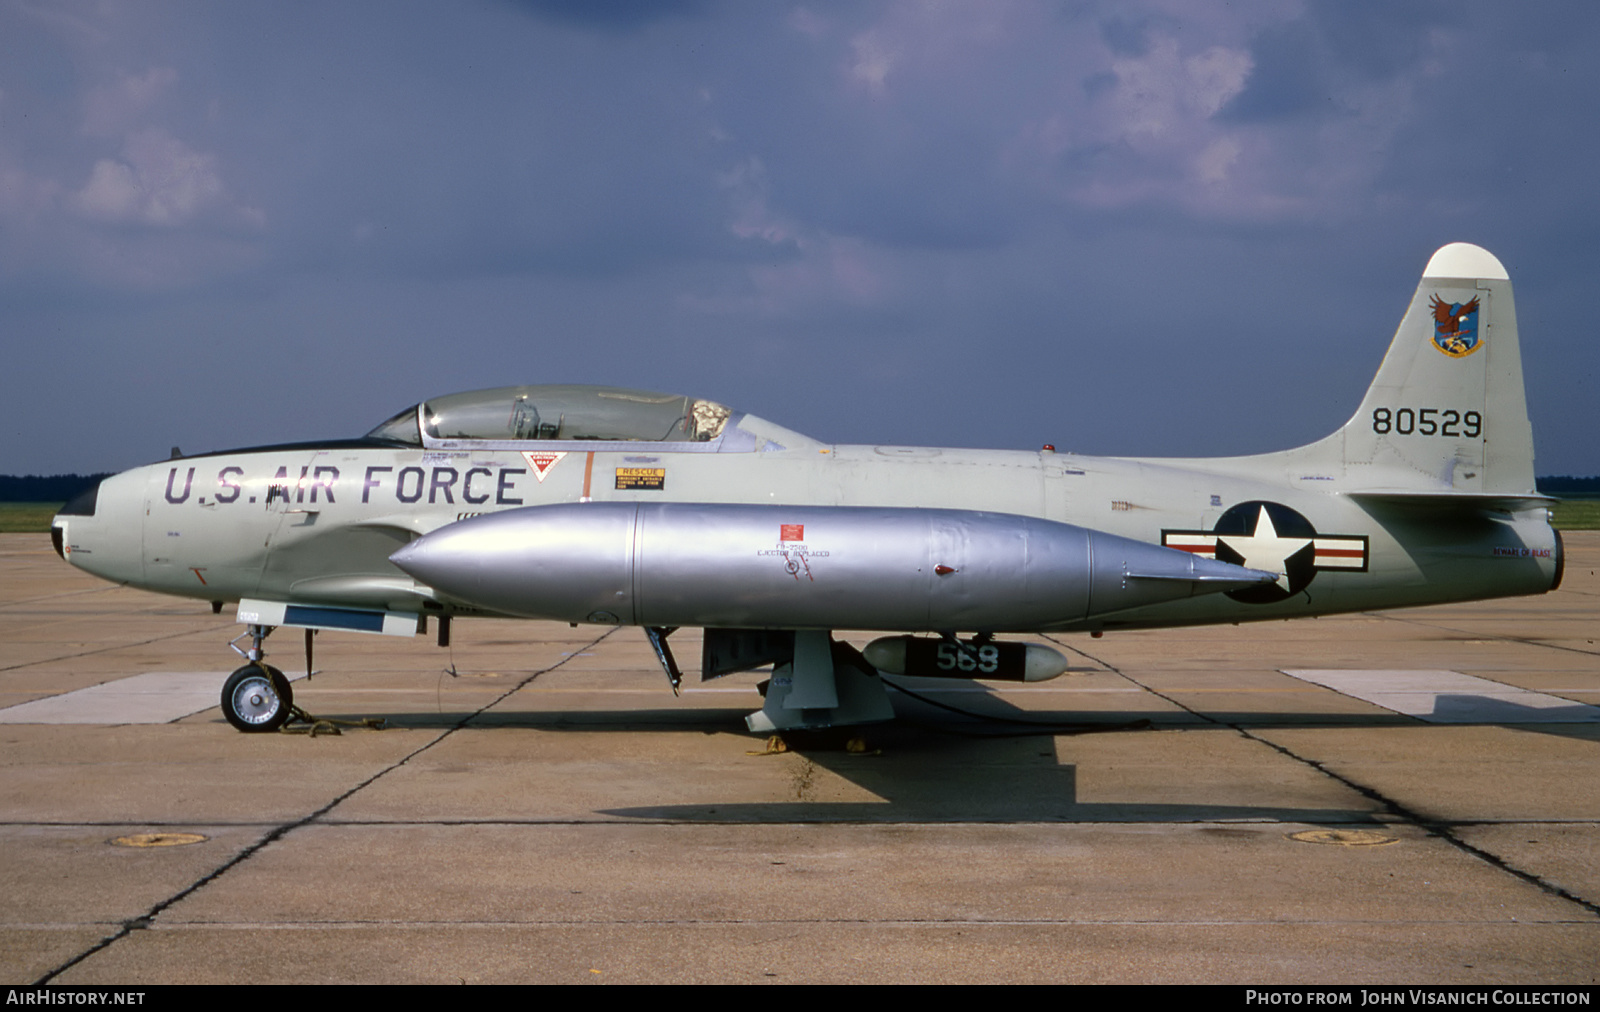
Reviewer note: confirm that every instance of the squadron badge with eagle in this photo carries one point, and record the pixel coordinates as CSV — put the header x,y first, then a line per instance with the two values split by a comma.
x,y
1455,327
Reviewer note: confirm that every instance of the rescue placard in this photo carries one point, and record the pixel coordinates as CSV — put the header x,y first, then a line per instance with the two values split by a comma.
x,y
653,478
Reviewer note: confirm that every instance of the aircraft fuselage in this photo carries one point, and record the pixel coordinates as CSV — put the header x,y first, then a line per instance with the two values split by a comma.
x,y
317,523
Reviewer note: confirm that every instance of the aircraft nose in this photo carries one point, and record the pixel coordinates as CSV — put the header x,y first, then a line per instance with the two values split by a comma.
x,y
81,505
101,530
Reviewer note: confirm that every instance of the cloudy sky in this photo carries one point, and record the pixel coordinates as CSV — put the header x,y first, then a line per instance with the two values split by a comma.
x,y
1126,228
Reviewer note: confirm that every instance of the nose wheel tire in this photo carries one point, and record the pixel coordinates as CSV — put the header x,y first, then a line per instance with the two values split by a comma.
x,y
257,698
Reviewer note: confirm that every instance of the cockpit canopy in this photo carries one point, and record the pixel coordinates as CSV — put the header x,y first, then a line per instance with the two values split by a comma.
x,y
559,412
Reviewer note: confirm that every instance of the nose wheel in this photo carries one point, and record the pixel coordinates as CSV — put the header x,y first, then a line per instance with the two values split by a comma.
x,y
257,698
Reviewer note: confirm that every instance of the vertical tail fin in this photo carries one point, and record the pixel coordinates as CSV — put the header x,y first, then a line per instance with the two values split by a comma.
x,y
1446,412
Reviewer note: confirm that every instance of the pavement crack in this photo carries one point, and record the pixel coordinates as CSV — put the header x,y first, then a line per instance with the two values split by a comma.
x,y
1443,830
52,597
146,919
115,646
1520,640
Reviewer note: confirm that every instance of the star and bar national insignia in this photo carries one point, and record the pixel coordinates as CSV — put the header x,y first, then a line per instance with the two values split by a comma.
x,y
1272,537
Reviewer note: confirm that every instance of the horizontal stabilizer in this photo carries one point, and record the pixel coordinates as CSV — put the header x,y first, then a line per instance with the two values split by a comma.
x,y
1451,500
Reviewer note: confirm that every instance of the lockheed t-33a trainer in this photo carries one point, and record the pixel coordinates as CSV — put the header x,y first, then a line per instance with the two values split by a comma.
x,y
619,507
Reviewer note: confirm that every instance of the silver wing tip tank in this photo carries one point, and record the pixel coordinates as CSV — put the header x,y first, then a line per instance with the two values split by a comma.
x,y
804,567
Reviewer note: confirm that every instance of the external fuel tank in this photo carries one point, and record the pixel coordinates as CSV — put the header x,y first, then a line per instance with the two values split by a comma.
x,y
802,567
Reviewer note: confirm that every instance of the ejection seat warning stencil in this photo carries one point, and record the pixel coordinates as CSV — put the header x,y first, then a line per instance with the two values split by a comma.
x,y
653,478
542,461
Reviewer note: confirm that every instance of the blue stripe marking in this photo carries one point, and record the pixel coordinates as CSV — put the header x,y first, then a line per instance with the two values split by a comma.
x,y
336,618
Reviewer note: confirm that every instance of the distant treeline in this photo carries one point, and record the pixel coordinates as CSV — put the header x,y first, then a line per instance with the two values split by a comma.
x,y
45,488
1566,484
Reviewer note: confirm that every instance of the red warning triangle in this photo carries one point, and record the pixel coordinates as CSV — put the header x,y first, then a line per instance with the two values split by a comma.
x,y
542,461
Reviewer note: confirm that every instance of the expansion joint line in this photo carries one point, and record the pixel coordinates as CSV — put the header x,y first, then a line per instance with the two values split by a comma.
x,y
1433,827
145,919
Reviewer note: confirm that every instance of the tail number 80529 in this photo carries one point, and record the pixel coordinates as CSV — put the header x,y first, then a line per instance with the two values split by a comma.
x,y
1427,422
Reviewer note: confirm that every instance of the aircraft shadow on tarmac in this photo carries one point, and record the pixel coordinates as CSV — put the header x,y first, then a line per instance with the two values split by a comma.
x,y
935,766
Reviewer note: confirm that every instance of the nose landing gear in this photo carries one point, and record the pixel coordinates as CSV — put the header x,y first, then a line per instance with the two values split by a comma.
x,y
257,697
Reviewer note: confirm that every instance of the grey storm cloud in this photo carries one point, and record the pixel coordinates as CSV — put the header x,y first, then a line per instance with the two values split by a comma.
x,y
1123,228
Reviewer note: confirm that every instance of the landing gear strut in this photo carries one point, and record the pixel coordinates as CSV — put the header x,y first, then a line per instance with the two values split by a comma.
x,y
825,684
256,697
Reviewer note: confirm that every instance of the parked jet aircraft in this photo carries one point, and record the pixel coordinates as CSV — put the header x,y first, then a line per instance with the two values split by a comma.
x,y
608,506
